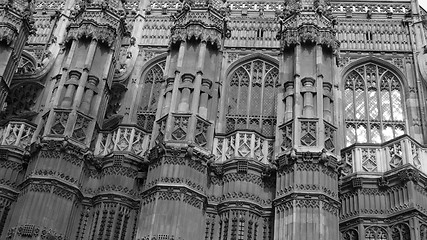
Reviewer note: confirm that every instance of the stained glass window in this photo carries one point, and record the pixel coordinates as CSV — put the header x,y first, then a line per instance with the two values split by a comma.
x,y
373,105
251,100
152,81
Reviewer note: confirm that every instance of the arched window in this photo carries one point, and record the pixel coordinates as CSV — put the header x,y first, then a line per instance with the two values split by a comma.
x,y
251,99
373,101
351,235
152,81
375,233
400,232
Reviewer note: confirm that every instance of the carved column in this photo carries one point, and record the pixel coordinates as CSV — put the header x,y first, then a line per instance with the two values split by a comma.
x,y
306,204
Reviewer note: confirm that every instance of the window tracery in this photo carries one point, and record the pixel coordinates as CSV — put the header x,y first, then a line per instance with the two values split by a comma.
x,y
375,233
251,101
152,81
351,235
400,232
373,105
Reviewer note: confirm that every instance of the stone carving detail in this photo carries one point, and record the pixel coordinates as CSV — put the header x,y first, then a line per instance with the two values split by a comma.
x,y
240,145
180,127
395,155
415,155
201,133
60,122
308,133
81,128
286,137
17,134
120,171
123,139
209,25
329,138
375,232
351,235
369,160
347,163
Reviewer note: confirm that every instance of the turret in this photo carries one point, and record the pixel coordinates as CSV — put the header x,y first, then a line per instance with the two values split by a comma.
x,y
306,203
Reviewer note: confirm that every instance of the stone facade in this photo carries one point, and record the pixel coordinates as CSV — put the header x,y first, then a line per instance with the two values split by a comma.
x,y
214,120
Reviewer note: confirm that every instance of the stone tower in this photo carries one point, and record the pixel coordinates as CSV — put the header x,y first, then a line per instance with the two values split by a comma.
x,y
306,203
213,119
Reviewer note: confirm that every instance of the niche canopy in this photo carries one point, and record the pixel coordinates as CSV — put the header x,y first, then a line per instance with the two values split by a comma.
x,y
308,22
202,21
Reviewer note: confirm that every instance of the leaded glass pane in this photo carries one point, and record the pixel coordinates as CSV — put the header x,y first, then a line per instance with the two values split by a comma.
x,y
269,102
385,105
360,104
349,107
397,105
361,133
232,100
255,108
375,133
350,135
373,105
388,133
243,97
399,130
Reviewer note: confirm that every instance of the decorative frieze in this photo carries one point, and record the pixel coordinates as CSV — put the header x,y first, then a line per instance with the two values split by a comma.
x,y
248,145
19,134
126,139
383,157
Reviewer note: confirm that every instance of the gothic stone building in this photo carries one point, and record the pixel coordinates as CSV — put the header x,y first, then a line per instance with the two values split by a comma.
x,y
213,120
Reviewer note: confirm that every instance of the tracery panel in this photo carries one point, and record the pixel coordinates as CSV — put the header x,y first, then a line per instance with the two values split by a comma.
x,y
152,81
373,105
251,100
375,233
400,232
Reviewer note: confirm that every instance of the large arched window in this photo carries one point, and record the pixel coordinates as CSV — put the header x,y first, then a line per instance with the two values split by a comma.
x,y
152,81
375,233
251,98
373,101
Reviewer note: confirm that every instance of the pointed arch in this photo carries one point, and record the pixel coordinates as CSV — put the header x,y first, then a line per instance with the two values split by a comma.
x,y
381,62
151,81
374,103
252,85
